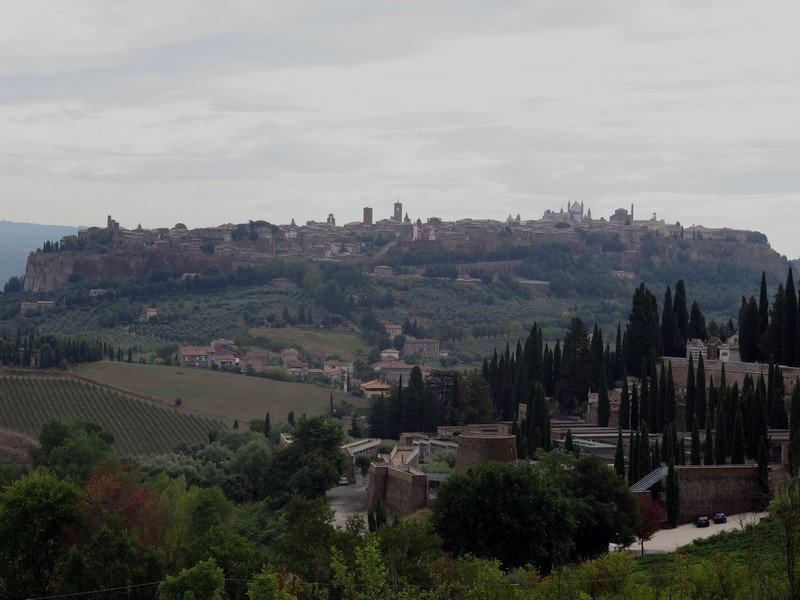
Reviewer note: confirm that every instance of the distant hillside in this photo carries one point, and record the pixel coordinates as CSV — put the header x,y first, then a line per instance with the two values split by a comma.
x,y
17,240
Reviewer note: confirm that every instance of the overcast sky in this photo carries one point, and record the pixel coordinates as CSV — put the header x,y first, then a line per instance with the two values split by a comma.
x,y
159,112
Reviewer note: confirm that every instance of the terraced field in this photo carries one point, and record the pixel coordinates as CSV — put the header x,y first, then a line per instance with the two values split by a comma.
x,y
139,427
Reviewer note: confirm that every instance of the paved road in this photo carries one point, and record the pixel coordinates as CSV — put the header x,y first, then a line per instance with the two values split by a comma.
x,y
348,500
668,540
351,500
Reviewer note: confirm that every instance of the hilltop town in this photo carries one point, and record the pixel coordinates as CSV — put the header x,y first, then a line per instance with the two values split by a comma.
x,y
115,251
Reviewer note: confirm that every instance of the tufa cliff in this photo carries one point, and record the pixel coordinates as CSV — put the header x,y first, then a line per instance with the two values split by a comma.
x,y
51,271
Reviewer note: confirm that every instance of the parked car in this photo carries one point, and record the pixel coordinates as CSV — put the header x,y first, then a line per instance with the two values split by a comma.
x,y
720,517
343,480
701,521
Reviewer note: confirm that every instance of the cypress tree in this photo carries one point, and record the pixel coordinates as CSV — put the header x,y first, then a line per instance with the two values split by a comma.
x,y
778,417
748,330
380,514
625,405
697,323
267,425
658,390
519,390
522,445
539,418
708,444
643,466
608,361
763,316
643,331
557,358
596,349
667,447
655,463
506,382
691,395
670,408
719,444
730,397
712,395
644,396
454,409
547,370
619,456
603,403
633,454
700,405
673,496
737,450
568,443
774,336
763,474
236,423
619,368
696,452
681,315
789,332
635,408
669,326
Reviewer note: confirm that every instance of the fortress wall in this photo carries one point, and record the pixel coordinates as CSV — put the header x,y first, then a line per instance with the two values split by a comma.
x,y
402,490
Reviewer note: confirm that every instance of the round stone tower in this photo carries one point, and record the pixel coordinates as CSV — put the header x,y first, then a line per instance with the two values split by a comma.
x,y
483,447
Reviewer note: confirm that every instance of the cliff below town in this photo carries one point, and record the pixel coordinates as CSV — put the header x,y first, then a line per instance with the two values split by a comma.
x,y
47,272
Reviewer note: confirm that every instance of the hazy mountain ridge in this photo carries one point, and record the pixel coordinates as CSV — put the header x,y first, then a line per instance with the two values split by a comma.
x,y
18,240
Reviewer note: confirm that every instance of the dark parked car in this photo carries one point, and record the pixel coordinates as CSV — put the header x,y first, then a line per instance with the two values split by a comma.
x,y
701,521
720,517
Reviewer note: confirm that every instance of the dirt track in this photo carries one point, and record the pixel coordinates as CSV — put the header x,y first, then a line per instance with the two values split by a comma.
x,y
14,447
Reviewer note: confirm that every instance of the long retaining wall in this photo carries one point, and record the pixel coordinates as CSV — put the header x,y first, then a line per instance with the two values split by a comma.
x,y
734,371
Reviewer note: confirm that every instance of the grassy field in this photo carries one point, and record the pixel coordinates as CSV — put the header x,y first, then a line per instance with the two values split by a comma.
x,y
344,344
221,396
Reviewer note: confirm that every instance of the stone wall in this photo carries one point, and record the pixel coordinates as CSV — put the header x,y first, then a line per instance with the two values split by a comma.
x,y
482,447
402,489
734,371
707,489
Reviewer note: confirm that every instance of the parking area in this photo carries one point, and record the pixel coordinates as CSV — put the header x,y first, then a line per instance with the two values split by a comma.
x,y
348,500
668,540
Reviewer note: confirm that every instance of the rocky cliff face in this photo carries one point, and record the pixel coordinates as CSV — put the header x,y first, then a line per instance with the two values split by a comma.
x,y
51,272
750,256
